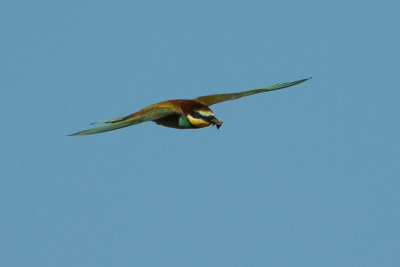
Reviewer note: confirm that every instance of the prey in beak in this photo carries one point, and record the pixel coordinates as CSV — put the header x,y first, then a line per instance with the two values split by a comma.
x,y
215,121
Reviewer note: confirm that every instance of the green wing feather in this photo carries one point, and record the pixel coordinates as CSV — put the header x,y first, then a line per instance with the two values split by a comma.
x,y
218,98
150,113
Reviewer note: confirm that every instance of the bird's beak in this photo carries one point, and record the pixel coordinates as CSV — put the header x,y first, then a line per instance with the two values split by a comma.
x,y
216,122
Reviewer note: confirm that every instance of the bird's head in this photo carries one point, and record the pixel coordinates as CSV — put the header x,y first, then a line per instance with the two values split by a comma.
x,y
203,117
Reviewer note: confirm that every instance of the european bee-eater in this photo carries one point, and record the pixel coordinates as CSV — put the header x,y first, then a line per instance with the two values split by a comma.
x,y
180,113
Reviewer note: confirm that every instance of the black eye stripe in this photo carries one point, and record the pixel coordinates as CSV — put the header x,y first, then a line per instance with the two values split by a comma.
x,y
196,115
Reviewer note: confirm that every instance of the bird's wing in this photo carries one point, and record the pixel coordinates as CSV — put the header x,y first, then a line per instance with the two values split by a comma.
x,y
218,98
152,112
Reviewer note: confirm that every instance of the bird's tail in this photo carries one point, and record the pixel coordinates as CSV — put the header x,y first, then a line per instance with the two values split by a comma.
x,y
108,127
112,124
110,121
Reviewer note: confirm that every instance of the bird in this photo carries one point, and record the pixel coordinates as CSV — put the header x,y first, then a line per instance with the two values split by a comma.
x,y
180,113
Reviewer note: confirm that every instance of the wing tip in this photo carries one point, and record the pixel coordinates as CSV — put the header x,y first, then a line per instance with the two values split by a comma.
x,y
306,79
84,132
302,80
76,134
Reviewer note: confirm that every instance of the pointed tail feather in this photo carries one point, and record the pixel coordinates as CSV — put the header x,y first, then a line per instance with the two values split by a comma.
x,y
110,121
108,127
147,114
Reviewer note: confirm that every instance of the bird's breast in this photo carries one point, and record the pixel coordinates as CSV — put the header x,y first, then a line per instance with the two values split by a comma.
x,y
175,121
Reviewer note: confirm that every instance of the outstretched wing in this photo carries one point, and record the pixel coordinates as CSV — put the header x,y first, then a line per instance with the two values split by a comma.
x,y
214,99
152,112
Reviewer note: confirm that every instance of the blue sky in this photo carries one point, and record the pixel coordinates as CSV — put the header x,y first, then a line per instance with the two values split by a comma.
x,y
305,176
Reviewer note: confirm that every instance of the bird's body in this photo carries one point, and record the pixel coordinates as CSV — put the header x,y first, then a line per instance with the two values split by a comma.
x,y
180,113
183,119
183,122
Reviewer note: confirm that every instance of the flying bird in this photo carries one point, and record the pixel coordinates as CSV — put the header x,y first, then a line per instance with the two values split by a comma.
x,y
181,113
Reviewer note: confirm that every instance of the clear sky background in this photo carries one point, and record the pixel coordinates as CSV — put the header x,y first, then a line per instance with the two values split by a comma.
x,y
305,176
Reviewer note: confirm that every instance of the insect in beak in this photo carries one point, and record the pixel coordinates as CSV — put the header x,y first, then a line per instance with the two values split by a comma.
x,y
216,122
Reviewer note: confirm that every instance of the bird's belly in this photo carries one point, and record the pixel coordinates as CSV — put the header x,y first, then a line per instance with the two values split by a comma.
x,y
175,121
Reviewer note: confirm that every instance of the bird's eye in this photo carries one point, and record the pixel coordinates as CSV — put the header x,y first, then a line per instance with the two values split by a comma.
x,y
195,114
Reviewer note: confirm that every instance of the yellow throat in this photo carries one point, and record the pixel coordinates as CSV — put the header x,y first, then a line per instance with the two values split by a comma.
x,y
198,122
